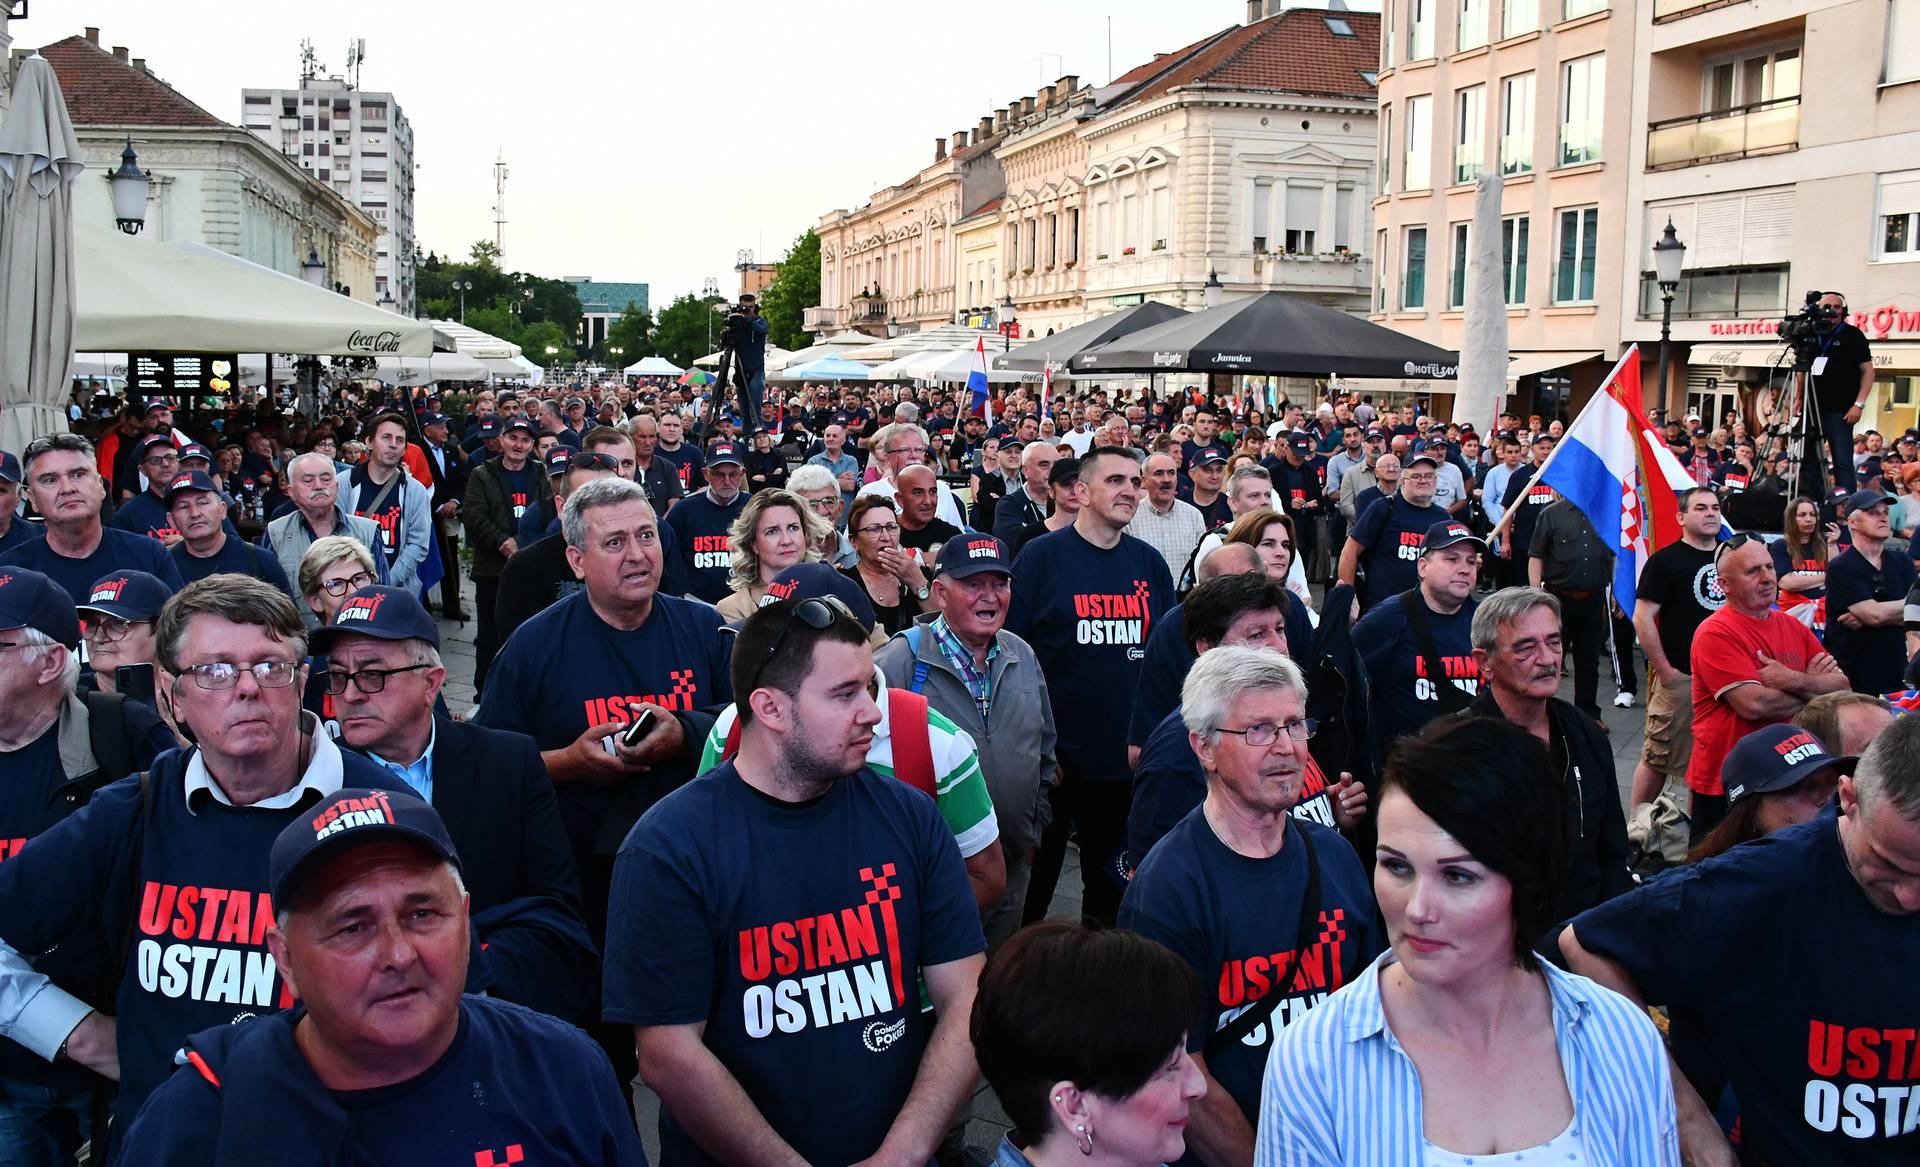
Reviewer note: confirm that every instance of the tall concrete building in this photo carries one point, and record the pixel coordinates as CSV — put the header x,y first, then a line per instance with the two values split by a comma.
x,y
360,145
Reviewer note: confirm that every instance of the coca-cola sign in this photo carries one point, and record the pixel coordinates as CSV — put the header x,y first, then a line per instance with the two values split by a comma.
x,y
386,341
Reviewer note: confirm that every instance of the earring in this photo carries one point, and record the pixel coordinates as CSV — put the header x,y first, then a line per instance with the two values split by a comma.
x,y
1083,1138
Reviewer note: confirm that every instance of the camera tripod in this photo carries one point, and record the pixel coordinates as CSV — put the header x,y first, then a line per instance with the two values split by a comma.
x,y
1798,426
732,376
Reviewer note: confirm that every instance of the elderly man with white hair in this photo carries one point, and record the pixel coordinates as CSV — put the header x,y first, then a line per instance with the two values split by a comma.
x,y
1250,896
898,446
317,512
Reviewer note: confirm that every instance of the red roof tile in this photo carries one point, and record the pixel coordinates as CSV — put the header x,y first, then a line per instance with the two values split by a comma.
x,y
1293,52
101,91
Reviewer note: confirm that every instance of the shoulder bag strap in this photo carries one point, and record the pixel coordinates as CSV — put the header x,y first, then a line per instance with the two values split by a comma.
x,y
107,734
1258,1013
912,741
1452,699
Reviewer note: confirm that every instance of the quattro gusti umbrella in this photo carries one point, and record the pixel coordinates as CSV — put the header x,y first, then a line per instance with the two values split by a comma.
x,y
1271,334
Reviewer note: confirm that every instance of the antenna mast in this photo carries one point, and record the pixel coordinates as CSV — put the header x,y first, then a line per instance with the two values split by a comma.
x,y
500,204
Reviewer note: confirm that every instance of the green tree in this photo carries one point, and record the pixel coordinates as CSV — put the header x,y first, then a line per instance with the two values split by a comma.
x,y
683,330
795,288
495,322
541,335
484,253
632,334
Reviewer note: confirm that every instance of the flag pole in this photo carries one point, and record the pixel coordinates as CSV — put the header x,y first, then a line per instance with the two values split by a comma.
x,y
1605,387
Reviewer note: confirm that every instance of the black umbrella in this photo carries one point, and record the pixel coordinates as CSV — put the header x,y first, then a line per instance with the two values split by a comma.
x,y
1058,349
1273,334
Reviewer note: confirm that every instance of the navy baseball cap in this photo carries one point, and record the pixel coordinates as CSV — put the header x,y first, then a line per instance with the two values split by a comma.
x,y
519,423
346,820
971,555
725,452
1298,440
1063,471
489,427
156,404
1870,468
1427,456
1448,532
1374,431
1773,759
806,581
191,480
430,419
196,450
1860,500
127,595
149,442
384,613
557,459
31,600
1210,456
9,467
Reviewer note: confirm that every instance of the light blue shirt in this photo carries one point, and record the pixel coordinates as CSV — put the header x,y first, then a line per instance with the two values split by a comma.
x,y
1615,1066
419,775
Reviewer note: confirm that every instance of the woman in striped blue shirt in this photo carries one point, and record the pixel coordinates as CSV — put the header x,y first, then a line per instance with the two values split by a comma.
x,y
1458,1045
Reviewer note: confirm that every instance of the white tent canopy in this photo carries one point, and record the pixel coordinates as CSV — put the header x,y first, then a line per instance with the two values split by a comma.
x,y
138,295
774,353
653,367
944,336
407,372
835,345
476,344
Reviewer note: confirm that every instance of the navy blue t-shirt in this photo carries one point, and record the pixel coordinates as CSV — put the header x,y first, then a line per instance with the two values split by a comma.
x,y
1390,533
364,491
118,551
234,557
1532,498
519,488
803,964
1235,920
688,462
144,514
515,1086
1169,659
566,670
1404,695
20,531
1875,659
1805,992
1087,612
702,543
1215,512
1169,782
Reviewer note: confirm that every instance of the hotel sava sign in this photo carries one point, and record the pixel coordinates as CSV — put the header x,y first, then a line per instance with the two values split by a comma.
x,y
1878,323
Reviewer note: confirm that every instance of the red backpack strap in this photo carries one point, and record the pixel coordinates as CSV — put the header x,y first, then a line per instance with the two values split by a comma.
x,y
733,738
912,741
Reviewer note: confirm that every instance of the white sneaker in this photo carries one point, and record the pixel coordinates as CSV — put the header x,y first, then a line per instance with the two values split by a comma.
x,y
1623,701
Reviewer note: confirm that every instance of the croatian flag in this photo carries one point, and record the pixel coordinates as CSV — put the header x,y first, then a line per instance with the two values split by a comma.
x,y
977,381
1616,468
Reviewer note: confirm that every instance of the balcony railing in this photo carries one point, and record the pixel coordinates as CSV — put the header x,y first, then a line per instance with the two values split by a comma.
x,y
1665,10
1744,131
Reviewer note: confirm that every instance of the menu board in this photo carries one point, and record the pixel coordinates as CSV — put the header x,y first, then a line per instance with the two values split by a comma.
x,y
152,375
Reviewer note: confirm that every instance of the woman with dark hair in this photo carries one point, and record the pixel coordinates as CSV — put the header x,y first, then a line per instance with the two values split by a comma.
x,y
1467,1046
1082,1034
1800,557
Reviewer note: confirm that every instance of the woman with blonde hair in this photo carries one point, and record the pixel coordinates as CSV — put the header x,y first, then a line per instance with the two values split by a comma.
x,y
775,530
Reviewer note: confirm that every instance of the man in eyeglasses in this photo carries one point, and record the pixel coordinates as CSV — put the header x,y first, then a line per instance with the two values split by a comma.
x,y
1249,894
57,747
898,446
172,870
146,513
383,668
774,1002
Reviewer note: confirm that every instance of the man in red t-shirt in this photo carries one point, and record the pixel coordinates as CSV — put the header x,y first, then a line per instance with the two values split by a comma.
x,y
1752,667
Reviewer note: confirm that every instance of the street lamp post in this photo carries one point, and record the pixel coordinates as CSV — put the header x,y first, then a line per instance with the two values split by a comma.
x,y
463,287
311,269
129,190
1669,260
709,288
1213,289
1007,316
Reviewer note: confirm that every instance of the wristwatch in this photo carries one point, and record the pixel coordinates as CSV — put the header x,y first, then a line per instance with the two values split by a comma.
x,y
925,592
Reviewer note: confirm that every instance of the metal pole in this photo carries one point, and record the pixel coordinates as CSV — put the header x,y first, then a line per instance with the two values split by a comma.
x,y
1666,329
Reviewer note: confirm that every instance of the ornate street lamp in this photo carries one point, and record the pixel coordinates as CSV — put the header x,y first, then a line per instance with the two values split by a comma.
x,y
129,186
1007,316
1669,260
1213,289
311,269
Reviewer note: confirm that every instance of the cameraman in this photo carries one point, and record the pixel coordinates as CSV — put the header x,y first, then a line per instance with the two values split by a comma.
x,y
748,332
1842,378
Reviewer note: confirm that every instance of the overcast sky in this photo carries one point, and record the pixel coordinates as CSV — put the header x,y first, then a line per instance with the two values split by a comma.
x,y
649,141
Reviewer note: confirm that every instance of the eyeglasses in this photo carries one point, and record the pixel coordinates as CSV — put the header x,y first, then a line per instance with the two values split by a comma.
x,y
366,680
108,629
879,529
910,451
1265,733
816,612
340,587
823,505
223,674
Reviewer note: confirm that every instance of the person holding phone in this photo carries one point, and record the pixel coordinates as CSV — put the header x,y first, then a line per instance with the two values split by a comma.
x,y
117,617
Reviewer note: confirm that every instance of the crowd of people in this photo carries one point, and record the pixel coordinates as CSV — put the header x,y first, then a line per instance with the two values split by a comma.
x,y
789,728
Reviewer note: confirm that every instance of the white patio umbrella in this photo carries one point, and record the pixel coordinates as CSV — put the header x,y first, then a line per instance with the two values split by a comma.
x,y
653,367
39,159
774,353
407,372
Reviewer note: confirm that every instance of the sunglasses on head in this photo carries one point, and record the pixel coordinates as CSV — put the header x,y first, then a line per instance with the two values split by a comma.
x,y
816,612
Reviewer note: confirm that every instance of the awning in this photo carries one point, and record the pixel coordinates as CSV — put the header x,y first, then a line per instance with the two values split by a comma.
x,y
1758,356
1526,364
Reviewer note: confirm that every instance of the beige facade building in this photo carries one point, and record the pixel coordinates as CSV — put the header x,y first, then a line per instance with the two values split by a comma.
x,y
1782,139
1537,91
1044,165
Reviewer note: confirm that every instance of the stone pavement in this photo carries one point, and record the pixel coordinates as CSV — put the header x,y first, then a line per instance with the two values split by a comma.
x,y
987,1122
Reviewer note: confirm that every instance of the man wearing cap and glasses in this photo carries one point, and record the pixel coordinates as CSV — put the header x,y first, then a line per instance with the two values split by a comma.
x,y
198,510
117,618
1793,961
382,654
1752,666
499,491
853,874
146,512
67,490
384,1058
1867,587
171,872
14,530
1206,475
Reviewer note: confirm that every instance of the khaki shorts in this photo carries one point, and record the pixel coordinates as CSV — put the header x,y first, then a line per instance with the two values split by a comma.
x,y
1669,743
